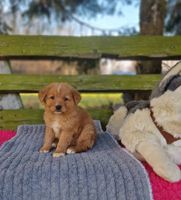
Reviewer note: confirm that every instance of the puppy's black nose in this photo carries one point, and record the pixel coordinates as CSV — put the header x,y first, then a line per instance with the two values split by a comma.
x,y
58,108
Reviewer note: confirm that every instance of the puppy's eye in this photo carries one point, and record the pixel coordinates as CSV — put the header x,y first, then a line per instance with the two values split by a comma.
x,y
66,98
52,97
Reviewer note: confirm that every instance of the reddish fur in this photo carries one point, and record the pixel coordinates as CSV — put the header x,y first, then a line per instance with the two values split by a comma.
x,y
77,128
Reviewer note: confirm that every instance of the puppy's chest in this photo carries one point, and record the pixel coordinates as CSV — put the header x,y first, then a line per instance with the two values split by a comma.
x,y
56,126
59,125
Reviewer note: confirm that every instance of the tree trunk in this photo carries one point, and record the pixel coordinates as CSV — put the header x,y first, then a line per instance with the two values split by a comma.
x,y
152,15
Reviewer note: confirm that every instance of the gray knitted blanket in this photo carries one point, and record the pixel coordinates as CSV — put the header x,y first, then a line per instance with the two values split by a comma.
x,y
105,172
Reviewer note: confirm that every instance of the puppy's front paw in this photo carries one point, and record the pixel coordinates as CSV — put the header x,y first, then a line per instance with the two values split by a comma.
x,y
44,150
70,150
55,154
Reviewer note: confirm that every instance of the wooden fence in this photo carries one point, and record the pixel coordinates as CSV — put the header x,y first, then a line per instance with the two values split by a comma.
x,y
58,47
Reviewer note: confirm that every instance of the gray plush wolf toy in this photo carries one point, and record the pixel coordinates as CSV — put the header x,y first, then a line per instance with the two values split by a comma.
x,y
151,130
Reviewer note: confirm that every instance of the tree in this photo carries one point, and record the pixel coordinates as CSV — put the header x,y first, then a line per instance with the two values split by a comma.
x,y
56,11
152,17
173,19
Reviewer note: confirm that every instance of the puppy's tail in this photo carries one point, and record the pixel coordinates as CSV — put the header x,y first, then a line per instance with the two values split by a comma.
x,y
116,121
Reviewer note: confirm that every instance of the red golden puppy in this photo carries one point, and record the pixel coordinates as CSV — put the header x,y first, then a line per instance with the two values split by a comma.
x,y
67,124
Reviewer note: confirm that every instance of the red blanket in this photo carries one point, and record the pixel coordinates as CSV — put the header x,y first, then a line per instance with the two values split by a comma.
x,y
162,190
6,135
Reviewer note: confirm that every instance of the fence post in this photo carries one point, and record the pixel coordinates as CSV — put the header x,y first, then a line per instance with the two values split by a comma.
x,y
8,101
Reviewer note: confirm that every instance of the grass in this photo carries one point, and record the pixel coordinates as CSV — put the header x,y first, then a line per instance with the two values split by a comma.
x,y
88,100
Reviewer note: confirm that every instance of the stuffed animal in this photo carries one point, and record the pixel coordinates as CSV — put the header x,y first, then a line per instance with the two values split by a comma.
x,y
151,130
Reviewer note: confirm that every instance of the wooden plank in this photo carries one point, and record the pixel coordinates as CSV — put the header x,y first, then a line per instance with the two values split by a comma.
x,y
91,83
134,47
10,119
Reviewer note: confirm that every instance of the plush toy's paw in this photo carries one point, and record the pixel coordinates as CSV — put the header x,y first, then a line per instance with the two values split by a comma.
x,y
170,172
116,120
55,154
70,150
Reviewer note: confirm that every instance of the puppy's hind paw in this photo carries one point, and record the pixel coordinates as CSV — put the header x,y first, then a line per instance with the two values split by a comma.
x,y
70,151
55,154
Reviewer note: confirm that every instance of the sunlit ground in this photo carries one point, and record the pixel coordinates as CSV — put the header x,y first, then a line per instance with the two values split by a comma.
x,y
88,100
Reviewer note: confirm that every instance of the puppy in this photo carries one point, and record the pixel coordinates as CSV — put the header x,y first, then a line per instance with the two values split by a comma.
x,y
67,124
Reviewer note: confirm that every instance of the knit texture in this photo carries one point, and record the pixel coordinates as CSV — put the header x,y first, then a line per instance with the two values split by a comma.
x,y
105,172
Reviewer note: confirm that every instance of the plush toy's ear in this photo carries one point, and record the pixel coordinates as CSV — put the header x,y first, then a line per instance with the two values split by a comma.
x,y
43,93
167,81
134,105
76,96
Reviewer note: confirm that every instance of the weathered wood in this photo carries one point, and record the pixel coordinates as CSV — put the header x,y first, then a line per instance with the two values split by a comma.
x,y
33,83
145,47
8,101
10,119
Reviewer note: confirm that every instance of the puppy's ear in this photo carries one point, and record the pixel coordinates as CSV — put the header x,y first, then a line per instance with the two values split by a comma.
x,y
76,96
43,93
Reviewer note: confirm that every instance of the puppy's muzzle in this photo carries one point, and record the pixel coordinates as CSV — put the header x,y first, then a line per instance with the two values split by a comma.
x,y
58,108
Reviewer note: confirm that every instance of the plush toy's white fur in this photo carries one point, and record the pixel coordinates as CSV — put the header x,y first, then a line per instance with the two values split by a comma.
x,y
116,121
139,134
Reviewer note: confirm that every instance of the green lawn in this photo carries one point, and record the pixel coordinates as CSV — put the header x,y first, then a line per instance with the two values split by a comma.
x,y
101,101
88,100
